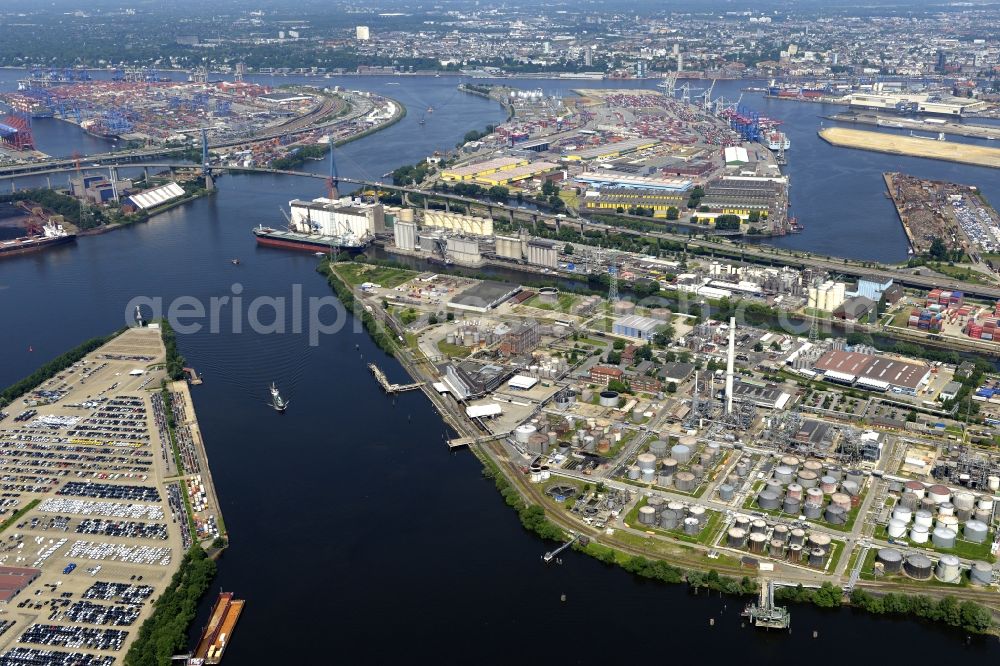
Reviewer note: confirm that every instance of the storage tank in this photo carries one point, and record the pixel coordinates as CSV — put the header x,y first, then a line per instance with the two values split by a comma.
x,y
985,504
896,528
939,493
768,500
923,518
669,519
646,461
681,453
691,526
705,459
814,466
993,483
836,471
647,515
909,500
565,398
714,449
790,461
828,485
820,540
918,566
664,480
656,502
982,515
816,557
814,496
757,543
523,433
981,573
698,471
758,526
919,534
964,501
914,487
609,398
854,475
647,475
842,500
794,490
951,522
812,511
669,466
698,513
780,532
742,469
604,445
737,537
943,537
807,479
743,522
891,559
836,515
946,509
797,536
726,492
776,548
850,488
538,443
791,506
684,481
784,474
975,531
633,472
658,448
902,513
794,553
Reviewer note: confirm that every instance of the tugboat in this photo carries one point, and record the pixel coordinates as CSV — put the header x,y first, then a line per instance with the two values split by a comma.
x,y
277,401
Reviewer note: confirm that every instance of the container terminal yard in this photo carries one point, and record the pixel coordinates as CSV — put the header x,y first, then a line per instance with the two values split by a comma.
x,y
94,503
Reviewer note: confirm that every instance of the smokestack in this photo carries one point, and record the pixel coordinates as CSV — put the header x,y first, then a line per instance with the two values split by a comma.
x,y
730,360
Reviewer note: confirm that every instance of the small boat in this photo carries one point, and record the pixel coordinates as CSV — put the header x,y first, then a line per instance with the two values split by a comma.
x,y
277,401
422,121
430,109
320,254
235,262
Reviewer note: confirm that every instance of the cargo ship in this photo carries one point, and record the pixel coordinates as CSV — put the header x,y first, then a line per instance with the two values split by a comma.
x,y
294,240
778,141
219,630
52,234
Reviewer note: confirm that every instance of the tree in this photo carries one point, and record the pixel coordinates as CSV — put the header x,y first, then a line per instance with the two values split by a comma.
x,y
498,193
568,249
758,346
672,387
727,222
673,213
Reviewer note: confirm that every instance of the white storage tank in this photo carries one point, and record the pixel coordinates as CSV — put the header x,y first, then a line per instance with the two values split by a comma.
x,y
939,493
523,433
948,568
943,537
923,518
903,514
896,528
919,534
975,531
646,461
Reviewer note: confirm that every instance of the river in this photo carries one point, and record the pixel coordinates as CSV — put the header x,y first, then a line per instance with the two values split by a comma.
x,y
356,535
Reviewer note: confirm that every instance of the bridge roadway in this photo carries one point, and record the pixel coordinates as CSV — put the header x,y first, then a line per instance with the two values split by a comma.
x,y
752,254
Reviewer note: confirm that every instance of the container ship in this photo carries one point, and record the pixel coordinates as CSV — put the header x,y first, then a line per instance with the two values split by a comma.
x,y
52,234
219,630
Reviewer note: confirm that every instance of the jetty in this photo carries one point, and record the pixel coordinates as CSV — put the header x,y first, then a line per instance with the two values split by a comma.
x,y
764,613
551,555
389,387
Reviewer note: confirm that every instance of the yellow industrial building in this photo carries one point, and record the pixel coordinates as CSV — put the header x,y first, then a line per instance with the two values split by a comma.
x,y
518,173
474,171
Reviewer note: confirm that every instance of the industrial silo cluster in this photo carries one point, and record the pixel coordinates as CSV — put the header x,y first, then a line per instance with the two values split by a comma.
x,y
671,515
818,491
779,541
682,466
934,515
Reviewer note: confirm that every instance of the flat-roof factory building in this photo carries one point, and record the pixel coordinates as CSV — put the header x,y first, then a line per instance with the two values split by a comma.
x,y
484,296
15,579
636,326
471,171
877,373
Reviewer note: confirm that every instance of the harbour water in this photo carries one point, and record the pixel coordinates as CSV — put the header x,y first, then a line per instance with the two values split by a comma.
x,y
355,533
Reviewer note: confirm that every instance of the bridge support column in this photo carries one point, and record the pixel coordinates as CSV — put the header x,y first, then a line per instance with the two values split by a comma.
x,y
209,182
13,187
447,205
534,223
48,182
426,203
145,175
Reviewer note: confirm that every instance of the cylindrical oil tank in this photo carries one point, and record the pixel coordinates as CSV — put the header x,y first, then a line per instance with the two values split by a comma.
x,y
609,398
633,472
981,573
705,458
658,448
664,480
684,481
814,466
797,536
565,398
993,483
919,534
757,543
964,501
698,513
768,500
854,475
780,532
795,552
909,500
923,518
964,515
784,474
790,461
951,522
927,504
604,445
943,537
902,513
984,504
820,540
698,471
836,515
774,485
946,509
891,559
982,515
807,478
828,485
812,511
758,527
647,475
737,537
726,492
742,469
975,531
794,490
590,444
843,500
918,566
669,519
816,557
896,528
538,443
850,488
776,548
743,522
836,471
915,487
939,493
791,506
523,433
669,466
656,502
681,453
646,461
814,496
733,480
714,449
691,526
647,515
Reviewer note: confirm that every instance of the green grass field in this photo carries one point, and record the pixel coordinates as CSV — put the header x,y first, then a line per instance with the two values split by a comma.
x,y
355,274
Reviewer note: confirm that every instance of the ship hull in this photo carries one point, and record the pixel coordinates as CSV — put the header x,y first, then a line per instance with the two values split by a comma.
x,y
27,247
301,244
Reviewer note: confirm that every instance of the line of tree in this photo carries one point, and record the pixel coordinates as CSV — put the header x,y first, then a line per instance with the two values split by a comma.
x,y
967,615
379,334
164,633
61,204
299,157
51,369
175,361
532,516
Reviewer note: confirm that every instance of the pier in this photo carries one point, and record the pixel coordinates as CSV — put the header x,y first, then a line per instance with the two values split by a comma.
x,y
193,377
764,613
388,387
551,555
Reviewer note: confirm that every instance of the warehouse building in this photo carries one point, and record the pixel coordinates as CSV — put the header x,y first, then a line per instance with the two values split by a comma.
x,y
636,326
484,296
657,200
616,179
610,150
516,174
471,171
875,373
156,196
